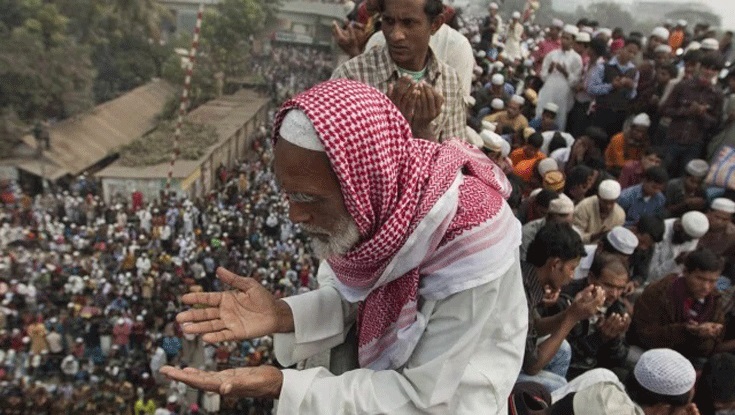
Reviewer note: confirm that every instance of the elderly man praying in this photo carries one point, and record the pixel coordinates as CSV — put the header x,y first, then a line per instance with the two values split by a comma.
x,y
420,254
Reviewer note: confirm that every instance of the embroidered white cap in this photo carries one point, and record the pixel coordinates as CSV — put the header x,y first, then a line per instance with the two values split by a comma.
x,y
665,372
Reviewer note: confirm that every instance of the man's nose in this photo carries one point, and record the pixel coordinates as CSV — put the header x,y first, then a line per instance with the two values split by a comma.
x,y
397,34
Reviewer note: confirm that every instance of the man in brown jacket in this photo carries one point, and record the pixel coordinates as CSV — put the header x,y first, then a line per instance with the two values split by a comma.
x,y
682,312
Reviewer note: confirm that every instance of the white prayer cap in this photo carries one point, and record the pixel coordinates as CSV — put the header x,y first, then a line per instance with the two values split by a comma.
x,y
497,79
604,398
121,321
497,104
665,372
571,29
693,45
697,168
172,399
583,37
138,318
604,31
710,44
551,107
609,190
481,54
662,48
723,205
498,65
518,99
681,22
491,140
487,125
642,120
297,129
623,240
546,165
472,137
695,224
535,192
477,70
516,15
562,205
494,6
661,33
557,23
505,149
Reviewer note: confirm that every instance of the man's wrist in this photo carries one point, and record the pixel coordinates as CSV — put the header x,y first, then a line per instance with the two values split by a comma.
x,y
284,317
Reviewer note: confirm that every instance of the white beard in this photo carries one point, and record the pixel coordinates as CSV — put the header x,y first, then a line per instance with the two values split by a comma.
x,y
345,236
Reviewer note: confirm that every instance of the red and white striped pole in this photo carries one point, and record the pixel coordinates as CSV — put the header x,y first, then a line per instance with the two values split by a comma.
x,y
184,104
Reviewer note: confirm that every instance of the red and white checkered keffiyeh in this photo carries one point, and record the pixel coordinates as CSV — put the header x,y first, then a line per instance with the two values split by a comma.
x,y
432,217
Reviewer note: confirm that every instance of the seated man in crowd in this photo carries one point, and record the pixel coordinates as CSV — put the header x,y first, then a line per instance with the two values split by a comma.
x,y
527,157
632,173
720,238
547,120
680,237
620,242
600,340
682,311
645,198
536,205
596,215
662,382
688,192
511,118
560,210
550,263
627,145
649,230
427,91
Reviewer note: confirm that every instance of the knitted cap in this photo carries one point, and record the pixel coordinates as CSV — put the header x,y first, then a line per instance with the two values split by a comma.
x,y
665,372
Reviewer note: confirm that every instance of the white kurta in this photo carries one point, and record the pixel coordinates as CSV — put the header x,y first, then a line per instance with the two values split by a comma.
x,y
663,261
557,88
513,41
466,362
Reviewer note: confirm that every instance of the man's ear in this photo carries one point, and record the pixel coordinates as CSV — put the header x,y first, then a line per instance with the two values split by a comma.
x,y
437,23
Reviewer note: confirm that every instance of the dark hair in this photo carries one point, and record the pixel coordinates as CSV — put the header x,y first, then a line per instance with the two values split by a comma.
x,y
598,136
432,8
555,240
578,175
656,174
647,151
712,60
544,197
536,140
633,40
644,397
693,56
672,69
604,261
703,259
651,225
599,47
557,142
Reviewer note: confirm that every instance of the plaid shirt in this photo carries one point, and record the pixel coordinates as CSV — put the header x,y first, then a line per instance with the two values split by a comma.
x,y
377,69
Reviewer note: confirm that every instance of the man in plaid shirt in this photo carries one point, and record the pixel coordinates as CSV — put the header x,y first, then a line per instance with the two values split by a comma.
x,y
427,91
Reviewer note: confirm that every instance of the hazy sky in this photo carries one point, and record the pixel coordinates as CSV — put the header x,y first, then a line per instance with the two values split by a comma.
x,y
726,9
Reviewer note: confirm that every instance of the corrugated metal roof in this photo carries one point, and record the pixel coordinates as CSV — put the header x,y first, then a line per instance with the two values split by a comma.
x,y
82,141
227,114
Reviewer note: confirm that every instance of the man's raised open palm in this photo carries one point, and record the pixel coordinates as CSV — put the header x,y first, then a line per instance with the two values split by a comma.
x,y
246,312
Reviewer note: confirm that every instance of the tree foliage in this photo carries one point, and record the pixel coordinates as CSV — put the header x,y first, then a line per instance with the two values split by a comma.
x,y
61,57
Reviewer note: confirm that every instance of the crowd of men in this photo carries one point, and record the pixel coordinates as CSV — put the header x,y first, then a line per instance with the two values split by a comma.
x,y
613,144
